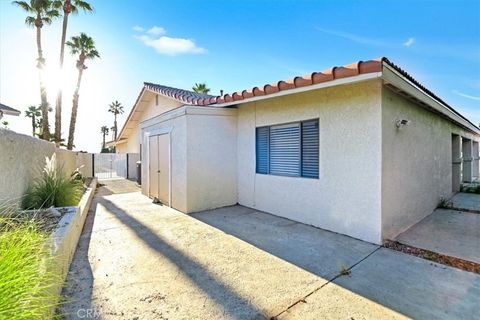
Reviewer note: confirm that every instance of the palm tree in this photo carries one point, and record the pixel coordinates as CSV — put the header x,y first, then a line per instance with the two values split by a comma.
x,y
43,12
34,113
69,6
201,88
84,46
104,130
116,108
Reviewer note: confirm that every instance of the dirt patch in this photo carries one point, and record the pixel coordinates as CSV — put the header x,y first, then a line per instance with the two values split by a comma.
x,y
433,256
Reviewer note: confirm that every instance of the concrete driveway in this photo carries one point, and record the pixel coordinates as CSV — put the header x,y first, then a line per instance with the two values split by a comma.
x,y
139,260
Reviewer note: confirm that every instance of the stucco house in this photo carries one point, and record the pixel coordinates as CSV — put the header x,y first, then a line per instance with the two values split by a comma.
x,y
363,149
6,110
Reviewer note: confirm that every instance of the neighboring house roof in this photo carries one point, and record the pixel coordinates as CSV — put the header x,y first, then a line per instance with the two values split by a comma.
x,y
312,80
8,110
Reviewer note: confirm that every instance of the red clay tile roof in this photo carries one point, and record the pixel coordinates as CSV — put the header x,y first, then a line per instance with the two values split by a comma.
x,y
350,70
185,96
192,98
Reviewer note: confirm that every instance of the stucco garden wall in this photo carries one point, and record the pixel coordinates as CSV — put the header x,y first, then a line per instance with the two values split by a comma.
x,y
346,197
416,162
22,159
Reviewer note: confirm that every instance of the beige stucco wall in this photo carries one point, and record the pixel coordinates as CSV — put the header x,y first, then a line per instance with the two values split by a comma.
x,y
149,109
84,163
346,197
211,158
22,159
416,162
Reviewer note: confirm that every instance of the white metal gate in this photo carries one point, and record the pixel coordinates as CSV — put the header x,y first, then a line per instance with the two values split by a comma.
x,y
110,165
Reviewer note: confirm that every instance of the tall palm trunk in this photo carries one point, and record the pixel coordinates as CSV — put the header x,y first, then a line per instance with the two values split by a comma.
x,y
115,125
103,140
58,104
34,125
73,118
43,91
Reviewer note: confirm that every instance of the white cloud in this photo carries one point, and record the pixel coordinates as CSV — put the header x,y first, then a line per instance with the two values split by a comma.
x,y
409,42
155,38
172,46
157,31
353,37
138,29
461,94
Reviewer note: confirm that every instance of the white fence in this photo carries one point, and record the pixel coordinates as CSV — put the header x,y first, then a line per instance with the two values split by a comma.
x,y
115,165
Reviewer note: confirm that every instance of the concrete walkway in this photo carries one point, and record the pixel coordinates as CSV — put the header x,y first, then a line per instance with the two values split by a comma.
x,y
466,202
449,232
138,260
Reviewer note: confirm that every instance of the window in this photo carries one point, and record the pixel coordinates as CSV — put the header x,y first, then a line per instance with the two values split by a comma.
x,y
288,149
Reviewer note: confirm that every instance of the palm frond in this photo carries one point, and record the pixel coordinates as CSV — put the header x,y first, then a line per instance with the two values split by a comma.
x,y
80,5
52,13
30,21
57,4
24,5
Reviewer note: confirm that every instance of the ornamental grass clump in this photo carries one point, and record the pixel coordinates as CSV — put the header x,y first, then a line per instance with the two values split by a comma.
x,y
53,188
27,286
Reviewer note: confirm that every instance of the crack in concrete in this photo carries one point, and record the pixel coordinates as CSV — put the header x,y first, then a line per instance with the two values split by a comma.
x,y
304,299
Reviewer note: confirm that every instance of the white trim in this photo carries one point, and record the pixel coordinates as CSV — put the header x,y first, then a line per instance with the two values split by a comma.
x,y
335,82
187,110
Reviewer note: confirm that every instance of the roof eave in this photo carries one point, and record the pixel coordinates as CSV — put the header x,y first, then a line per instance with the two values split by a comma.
x,y
394,77
332,83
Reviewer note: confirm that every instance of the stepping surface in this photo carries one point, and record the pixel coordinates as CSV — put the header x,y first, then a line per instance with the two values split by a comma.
x,y
138,260
318,251
448,232
393,285
466,201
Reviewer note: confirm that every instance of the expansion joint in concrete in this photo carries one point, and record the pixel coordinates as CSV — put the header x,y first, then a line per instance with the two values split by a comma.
x,y
342,273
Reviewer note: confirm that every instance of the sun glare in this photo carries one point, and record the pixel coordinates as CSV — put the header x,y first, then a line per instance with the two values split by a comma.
x,y
56,79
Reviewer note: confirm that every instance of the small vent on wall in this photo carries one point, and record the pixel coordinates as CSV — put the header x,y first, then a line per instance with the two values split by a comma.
x,y
156,99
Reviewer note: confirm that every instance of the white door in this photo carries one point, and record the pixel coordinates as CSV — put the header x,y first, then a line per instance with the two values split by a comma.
x,y
153,166
164,168
159,168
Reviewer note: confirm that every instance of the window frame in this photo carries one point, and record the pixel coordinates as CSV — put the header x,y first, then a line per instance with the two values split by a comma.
x,y
300,123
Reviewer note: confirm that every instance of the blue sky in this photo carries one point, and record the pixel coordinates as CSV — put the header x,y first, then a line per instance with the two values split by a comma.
x,y
233,45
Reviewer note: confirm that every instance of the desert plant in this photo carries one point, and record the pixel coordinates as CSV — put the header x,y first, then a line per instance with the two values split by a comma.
x,y
78,176
53,188
27,280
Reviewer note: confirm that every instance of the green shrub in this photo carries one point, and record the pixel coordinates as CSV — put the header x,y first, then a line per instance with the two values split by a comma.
x,y
27,287
53,188
471,188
